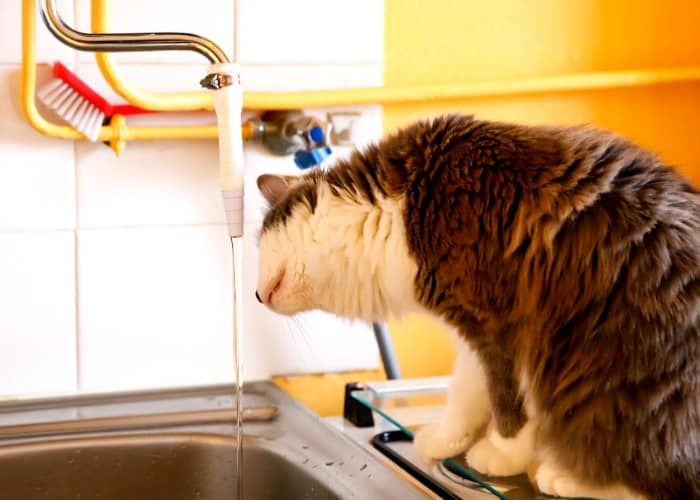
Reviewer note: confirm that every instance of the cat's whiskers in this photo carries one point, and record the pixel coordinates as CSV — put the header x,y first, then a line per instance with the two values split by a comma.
x,y
299,331
304,329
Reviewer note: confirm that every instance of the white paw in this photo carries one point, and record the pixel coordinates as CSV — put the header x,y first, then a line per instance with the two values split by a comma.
x,y
487,459
433,442
494,455
554,481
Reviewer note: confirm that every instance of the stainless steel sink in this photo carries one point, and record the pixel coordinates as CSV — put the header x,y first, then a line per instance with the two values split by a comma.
x,y
179,445
152,467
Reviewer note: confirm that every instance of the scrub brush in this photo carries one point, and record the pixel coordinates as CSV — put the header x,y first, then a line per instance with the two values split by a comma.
x,y
78,104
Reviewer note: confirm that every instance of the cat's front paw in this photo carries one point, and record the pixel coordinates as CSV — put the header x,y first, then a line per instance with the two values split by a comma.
x,y
487,459
494,455
433,442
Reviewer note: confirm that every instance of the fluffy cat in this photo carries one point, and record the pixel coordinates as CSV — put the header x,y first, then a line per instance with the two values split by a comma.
x,y
567,260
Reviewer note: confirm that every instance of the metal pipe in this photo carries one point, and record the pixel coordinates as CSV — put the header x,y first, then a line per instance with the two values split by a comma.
x,y
386,350
424,385
137,422
117,133
131,92
127,42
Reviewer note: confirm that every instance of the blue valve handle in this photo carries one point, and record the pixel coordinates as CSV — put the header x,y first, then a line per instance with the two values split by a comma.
x,y
316,155
307,159
316,134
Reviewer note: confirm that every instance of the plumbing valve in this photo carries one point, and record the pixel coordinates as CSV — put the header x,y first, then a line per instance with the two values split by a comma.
x,y
293,132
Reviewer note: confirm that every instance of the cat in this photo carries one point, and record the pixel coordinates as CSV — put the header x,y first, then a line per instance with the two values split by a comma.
x,y
566,260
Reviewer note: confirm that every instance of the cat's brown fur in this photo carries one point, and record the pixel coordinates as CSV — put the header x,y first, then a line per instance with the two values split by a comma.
x,y
573,256
568,256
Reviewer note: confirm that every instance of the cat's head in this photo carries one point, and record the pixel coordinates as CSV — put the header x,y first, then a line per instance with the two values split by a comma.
x,y
332,247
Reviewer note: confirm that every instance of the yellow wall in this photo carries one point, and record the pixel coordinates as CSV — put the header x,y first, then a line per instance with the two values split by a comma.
x,y
430,41
444,41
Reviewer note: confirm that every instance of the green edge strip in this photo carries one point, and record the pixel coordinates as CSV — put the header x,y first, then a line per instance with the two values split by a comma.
x,y
449,461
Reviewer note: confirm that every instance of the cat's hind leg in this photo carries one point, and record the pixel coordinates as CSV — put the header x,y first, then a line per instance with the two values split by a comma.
x,y
468,410
552,479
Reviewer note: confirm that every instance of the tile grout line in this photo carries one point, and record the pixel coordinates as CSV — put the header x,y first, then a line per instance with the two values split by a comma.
x,y
76,238
76,225
78,360
36,230
163,226
76,254
122,227
305,65
76,264
236,37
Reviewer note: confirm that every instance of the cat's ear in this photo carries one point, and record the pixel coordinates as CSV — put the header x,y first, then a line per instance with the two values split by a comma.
x,y
274,187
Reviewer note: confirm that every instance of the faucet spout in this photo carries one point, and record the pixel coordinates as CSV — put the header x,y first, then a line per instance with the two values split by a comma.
x,y
127,42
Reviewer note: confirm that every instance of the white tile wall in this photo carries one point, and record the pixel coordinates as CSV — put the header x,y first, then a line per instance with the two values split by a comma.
x,y
155,77
48,48
36,194
154,306
310,31
37,313
210,18
115,272
153,183
311,77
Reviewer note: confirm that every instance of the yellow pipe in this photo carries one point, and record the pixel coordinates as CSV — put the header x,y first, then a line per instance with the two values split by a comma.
x,y
482,89
173,101
118,132
382,95
28,77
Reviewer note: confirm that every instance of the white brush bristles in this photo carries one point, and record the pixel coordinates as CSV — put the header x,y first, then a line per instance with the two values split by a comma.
x,y
73,108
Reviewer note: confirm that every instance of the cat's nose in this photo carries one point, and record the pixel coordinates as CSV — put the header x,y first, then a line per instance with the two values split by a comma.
x,y
257,296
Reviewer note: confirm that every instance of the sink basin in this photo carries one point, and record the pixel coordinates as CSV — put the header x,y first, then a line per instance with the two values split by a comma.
x,y
153,467
179,444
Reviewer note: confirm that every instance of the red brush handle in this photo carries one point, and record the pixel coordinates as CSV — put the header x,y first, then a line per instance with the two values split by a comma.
x,y
82,88
129,109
